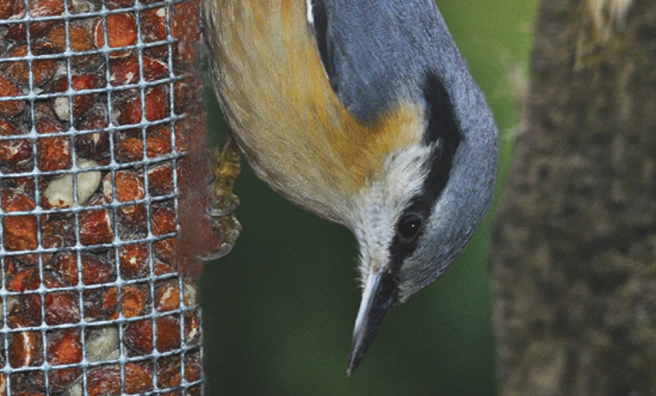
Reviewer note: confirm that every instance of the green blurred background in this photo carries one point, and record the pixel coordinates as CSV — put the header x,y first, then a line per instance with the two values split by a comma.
x,y
279,310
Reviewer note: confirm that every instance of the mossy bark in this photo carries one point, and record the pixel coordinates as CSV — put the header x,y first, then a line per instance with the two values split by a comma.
x,y
574,247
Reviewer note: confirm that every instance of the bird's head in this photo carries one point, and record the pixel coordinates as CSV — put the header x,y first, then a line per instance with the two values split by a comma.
x,y
419,211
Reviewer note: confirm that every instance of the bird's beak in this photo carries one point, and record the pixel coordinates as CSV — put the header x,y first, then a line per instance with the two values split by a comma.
x,y
377,299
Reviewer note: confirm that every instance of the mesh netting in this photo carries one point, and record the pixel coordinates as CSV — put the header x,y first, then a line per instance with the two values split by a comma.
x,y
95,100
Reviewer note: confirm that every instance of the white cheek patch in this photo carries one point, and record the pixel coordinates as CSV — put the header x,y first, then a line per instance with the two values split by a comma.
x,y
405,171
378,206
405,175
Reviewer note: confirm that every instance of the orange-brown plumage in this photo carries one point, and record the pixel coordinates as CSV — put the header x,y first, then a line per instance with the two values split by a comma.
x,y
286,118
363,112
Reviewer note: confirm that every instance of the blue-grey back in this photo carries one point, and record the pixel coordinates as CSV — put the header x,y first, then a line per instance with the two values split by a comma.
x,y
379,51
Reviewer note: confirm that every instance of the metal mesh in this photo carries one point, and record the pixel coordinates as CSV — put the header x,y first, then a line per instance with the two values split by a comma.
x,y
92,297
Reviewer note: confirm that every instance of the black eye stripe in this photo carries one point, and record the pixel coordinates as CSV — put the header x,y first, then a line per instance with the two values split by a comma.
x,y
442,127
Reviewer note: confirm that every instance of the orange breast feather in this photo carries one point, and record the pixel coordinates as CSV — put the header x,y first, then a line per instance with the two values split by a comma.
x,y
286,118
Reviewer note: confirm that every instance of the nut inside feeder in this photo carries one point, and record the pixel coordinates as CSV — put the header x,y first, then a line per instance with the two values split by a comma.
x,y
104,181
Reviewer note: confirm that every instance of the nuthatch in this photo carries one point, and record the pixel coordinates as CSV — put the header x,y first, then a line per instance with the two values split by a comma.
x,y
363,112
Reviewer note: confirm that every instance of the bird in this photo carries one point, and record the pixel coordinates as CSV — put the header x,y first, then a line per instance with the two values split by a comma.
x,y
365,114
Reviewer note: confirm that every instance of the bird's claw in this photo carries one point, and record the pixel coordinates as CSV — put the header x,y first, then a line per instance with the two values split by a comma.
x,y
225,205
229,228
226,169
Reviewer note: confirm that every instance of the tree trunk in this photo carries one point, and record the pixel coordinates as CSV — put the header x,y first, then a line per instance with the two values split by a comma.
x,y
574,249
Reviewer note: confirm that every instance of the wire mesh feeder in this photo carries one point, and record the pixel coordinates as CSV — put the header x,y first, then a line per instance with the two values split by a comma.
x,y
99,103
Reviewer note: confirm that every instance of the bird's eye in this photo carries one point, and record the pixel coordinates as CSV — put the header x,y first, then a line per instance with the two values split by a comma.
x,y
409,226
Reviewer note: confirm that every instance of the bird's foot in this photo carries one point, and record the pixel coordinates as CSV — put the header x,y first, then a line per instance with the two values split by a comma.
x,y
226,169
